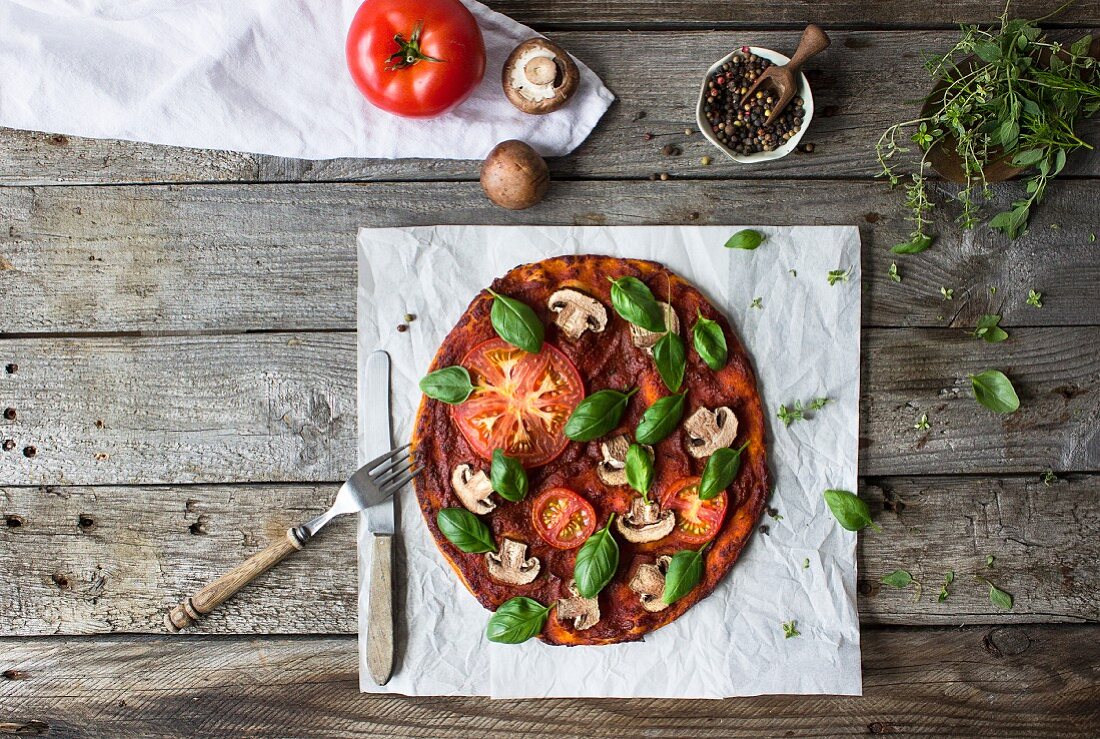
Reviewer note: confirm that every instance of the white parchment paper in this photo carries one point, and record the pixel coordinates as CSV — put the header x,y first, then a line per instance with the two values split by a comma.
x,y
804,343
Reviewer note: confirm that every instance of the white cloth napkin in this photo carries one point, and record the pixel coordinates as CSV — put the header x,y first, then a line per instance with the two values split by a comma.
x,y
262,76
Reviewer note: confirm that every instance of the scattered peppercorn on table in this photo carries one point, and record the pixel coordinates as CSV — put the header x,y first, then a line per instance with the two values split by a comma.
x,y
177,379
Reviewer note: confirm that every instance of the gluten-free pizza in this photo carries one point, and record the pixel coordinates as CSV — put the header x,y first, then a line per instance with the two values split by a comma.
x,y
592,451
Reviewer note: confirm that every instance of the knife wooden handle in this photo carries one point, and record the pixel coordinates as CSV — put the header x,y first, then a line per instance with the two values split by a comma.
x,y
380,614
192,609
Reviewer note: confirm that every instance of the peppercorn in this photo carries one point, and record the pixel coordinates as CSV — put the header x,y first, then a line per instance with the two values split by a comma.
x,y
9,413
12,368
664,176
402,328
29,451
647,136
409,318
670,150
705,161
8,445
726,112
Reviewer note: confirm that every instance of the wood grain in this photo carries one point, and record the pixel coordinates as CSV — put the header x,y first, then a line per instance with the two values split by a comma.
x,y
105,559
1036,680
241,258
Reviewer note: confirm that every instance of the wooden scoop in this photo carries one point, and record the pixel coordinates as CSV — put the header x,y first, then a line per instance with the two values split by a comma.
x,y
783,80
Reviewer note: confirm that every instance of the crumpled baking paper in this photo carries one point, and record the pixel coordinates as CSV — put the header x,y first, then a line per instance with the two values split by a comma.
x,y
804,344
263,76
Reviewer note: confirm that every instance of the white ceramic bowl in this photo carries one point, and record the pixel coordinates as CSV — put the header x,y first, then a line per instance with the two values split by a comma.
x,y
763,156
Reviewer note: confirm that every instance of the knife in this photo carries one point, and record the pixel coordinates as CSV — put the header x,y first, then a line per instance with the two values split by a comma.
x,y
380,522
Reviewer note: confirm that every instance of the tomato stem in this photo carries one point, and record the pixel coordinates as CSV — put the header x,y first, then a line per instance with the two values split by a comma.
x,y
409,52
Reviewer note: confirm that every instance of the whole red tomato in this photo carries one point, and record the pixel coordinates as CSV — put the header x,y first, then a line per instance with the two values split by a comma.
x,y
415,58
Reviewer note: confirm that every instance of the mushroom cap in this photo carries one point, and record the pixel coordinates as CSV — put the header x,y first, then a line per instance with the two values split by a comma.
x,y
649,583
612,469
511,564
585,612
576,312
645,522
645,339
473,489
710,430
514,176
539,76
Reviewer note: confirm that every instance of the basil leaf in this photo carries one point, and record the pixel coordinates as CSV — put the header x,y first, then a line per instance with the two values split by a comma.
x,y
1028,158
449,385
898,579
684,573
632,300
517,620
747,239
660,419
516,323
596,562
720,472
851,512
999,598
989,330
671,359
993,390
508,477
914,245
597,415
465,530
639,469
710,342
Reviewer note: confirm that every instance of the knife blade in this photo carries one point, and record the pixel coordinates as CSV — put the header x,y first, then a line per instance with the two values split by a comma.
x,y
380,522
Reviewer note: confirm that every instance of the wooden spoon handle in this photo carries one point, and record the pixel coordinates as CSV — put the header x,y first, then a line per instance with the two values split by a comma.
x,y
814,40
192,609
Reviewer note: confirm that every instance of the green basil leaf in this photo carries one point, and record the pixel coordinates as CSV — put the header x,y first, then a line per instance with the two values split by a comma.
x,y
999,598
632,299
596,562
639,469
517,620
915,245
710,342
721,470
684,573
993,390
465,530
449,385
851,512
989,330
671,360
516,323
660,419
747,239
597,415
508,477
898,579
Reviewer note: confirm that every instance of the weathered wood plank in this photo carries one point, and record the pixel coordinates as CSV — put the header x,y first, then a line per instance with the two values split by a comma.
x,y
189,258
866,81
109,559
1005,682
281,407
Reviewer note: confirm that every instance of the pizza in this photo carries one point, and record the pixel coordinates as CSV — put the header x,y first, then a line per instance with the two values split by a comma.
x,y
592,449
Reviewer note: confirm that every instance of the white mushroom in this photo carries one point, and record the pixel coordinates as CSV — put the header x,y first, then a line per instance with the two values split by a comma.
x,y
649,583
645,522
612,469
710,430
585,612
511,564
577,313
473,489
645,339
539,76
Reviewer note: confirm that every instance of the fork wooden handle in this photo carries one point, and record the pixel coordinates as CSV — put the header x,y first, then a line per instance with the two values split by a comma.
x,y
814,40
192,609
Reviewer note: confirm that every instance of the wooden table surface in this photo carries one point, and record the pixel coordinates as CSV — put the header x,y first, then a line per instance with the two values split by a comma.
x,y
177,343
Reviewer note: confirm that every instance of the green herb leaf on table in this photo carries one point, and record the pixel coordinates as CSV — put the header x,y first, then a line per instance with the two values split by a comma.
x,y
746,238
998,597
1048,477
806,563
757,303
849,510
947,580
597,415
670,356
922,423
915,245
634,302
818,403
449,385
839,275
710,342
508,477
993,390
790,415
660,419
720,471
989,560
596,562
517,620
1035,298
639,469
685,570
989,329
465,530
790,629
893,273
516,322
899,579
947,293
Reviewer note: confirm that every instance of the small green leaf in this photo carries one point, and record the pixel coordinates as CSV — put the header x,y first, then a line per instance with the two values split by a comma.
x,y
818,403
989,560
684,573
1011,222
915,245
508,477
850,512
671,359
838,275
517,620
898,579
989,330
639,469
597,415
660,419
806,563
999,598
710,342
993,390
1035,298
596,562
516,323
790,629
1028,158
465,530
745,239
893,273
633,300
449,385
720,471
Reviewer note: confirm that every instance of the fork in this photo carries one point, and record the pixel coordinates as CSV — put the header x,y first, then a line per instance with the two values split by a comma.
x,y
372,483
